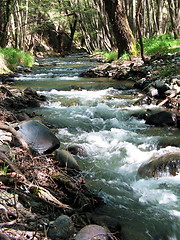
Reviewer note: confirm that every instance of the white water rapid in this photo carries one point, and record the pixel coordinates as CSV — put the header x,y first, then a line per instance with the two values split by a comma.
x,y
96,115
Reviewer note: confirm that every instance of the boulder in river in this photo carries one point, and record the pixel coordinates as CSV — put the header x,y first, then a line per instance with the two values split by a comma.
x,y
38,136
66,159
93,232
166,165
162,118
61,228
77,150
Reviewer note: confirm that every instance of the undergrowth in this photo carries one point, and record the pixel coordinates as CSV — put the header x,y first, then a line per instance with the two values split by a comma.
x,y
14,57
161,44
155,45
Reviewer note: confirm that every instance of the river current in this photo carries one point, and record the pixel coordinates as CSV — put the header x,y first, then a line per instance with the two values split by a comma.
x,y
96,114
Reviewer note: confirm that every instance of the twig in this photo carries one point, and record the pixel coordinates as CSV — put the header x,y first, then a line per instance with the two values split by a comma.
x,y
7,223
16,135
167,99
38,190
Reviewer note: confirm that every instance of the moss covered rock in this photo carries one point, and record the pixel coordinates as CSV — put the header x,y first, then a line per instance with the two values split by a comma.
x,y
166,165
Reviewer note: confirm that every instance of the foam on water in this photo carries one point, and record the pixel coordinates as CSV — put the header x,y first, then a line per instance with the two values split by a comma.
x,y
116,144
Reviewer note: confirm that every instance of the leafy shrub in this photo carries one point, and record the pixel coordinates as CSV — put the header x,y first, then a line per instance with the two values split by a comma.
x,y
110,56
15,57
106,56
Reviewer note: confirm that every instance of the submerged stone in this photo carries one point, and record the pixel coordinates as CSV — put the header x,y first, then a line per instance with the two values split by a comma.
x,y
65,159
93,232
77,150
38,136
61,228
166,165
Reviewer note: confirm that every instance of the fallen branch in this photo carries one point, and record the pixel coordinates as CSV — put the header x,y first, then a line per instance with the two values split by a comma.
x,y
167,99
16,135
38,190
7,223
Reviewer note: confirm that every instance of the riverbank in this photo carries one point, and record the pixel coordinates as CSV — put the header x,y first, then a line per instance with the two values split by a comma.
x,y
44,175
36,192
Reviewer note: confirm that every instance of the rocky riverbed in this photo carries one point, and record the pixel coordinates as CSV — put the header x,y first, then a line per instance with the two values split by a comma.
x,y
42,198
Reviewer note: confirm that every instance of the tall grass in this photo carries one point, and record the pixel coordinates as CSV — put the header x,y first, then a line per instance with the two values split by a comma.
x,y
161,44
15,57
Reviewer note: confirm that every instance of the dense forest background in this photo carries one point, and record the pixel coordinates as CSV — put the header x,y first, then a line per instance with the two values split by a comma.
x,y
61,25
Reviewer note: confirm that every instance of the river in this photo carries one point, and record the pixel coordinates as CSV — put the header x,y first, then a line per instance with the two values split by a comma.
x,y
97,115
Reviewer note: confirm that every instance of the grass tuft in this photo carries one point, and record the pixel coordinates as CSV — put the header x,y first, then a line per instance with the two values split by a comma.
x,y
15,57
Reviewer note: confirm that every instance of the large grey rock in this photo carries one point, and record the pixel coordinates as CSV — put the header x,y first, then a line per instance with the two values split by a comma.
x,y
38,136
61,228
161,86
161,119
166,165
65,159
93,231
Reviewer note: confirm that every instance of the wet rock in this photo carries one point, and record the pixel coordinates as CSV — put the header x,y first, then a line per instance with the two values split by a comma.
x,y
144,100
77,150
23,69
61,228
166,165
22,116
6,91
152,92
7,78
65,159
32,94
162,87
162,118
38,136
93,232
169,141
143,83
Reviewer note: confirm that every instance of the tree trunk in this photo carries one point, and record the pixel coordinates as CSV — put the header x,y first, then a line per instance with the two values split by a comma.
x,y
139,29
172,16
159,15
5,12
122,32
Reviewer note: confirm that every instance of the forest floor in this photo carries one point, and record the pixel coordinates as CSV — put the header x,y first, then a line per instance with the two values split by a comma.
x,y
34,190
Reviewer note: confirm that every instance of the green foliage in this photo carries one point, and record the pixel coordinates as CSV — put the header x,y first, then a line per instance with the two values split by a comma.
x,y
110,56
14,57
161,44
125,56
106,56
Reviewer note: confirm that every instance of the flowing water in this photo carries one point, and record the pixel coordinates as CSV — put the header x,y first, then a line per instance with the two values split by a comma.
x,y
96,114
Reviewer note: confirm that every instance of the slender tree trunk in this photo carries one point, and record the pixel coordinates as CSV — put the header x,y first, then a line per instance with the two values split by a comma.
x,y
172,16
148,18
122,32
138,21
159,15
